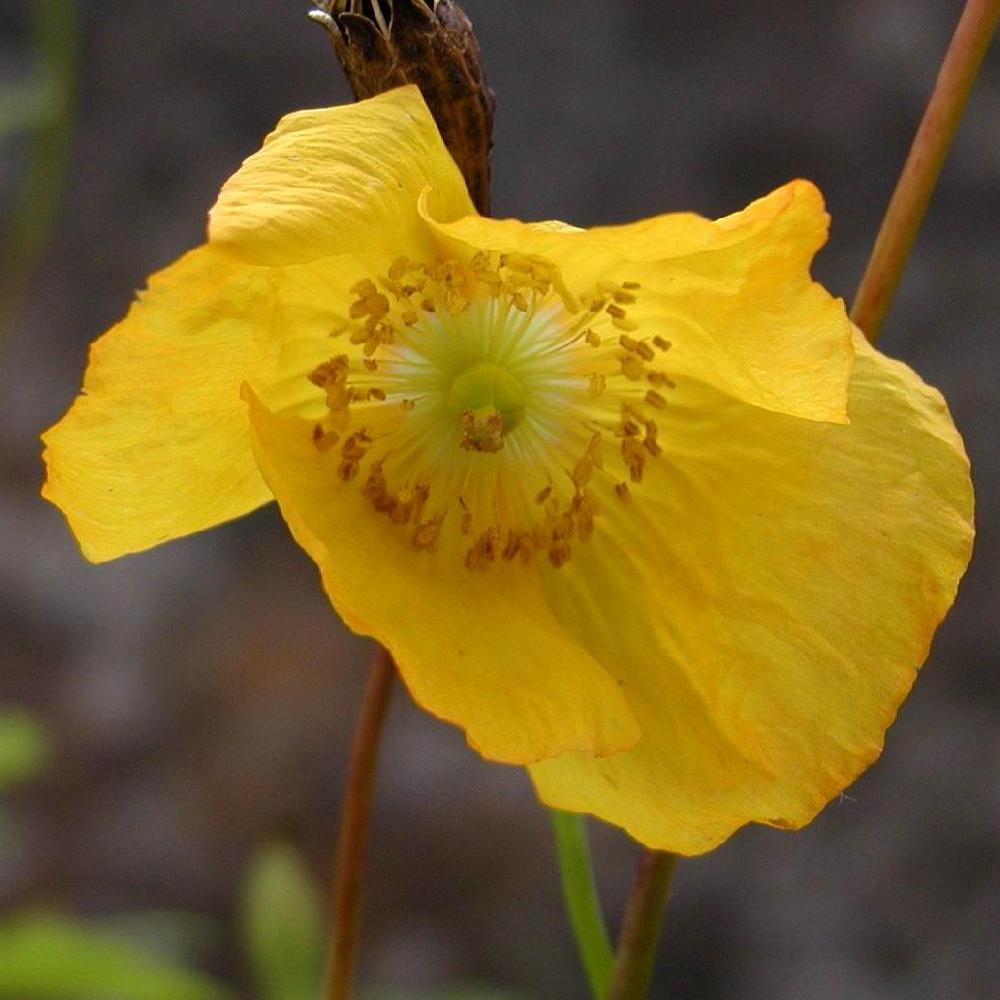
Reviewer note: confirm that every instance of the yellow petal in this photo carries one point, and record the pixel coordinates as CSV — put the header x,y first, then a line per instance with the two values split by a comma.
x,y
734,296
767,610
477,649
157,445
330,180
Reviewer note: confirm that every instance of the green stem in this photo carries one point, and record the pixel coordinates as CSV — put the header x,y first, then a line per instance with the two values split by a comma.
x,y
640,935
923,165
354,822
39,197
582,903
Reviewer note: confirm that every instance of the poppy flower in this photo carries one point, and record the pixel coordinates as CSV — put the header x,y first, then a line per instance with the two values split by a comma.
x,y
634,506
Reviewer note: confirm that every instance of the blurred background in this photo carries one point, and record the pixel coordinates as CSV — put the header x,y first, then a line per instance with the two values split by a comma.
x,y
169,718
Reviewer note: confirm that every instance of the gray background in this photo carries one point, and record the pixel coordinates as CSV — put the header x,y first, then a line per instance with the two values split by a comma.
x,y
202,695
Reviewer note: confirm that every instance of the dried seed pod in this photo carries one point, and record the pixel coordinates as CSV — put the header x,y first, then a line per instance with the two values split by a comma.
x,y
387,43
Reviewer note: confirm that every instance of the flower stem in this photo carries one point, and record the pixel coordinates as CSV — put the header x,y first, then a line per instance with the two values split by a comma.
x,y
45,111
923,165
354,822
582,903
640,935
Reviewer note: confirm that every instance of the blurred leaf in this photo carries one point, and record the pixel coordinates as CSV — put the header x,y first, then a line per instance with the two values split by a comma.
x,y
52,958
28,104
24,747
283,925
470,992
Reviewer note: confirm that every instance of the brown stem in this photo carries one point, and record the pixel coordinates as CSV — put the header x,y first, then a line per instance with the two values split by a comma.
x,y
641,930
923,165
354,822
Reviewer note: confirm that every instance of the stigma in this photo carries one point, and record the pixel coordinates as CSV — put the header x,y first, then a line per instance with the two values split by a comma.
x,y
489,411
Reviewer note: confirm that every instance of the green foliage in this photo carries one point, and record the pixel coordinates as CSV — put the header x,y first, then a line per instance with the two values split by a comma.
x,y
46,957
283,926
24,747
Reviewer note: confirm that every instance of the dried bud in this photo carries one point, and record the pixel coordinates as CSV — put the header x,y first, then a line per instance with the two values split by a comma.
x,y
387,43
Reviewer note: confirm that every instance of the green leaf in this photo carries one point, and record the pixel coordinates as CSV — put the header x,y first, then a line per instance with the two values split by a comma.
x,y
24,747
28,104
44,957
283,925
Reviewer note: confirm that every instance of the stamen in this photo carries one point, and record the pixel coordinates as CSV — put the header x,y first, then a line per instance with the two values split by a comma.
x,y
519,381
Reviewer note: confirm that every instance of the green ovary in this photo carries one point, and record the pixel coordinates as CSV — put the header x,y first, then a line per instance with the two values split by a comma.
x,y
485,387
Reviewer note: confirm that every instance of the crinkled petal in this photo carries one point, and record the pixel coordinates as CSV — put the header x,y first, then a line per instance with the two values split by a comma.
x,y
157,445
765,603
480,650
734,296
329,181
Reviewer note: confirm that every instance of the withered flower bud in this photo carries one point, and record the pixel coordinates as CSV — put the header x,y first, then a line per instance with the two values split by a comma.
x,y
387,43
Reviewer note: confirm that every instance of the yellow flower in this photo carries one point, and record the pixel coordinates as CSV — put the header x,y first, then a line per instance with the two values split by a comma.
x,y
633,506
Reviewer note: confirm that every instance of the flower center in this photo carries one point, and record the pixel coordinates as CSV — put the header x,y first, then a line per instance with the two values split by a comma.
x,y
490,404
488,411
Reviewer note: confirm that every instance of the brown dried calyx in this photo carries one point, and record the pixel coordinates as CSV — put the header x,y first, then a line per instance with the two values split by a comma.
x,y
387,43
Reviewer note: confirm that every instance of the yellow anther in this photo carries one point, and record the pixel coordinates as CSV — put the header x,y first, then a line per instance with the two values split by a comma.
x,y
594,339
662,343
354,448
325,440
420,496
645,351
394,288
560,554
624,323
544,495
655,399
584,511
582,471
377,305
398,268
634,458
661,379
633,367
426,535
363,288
512,545
623,492
598,383
518,262
484,551
632,286
400,513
